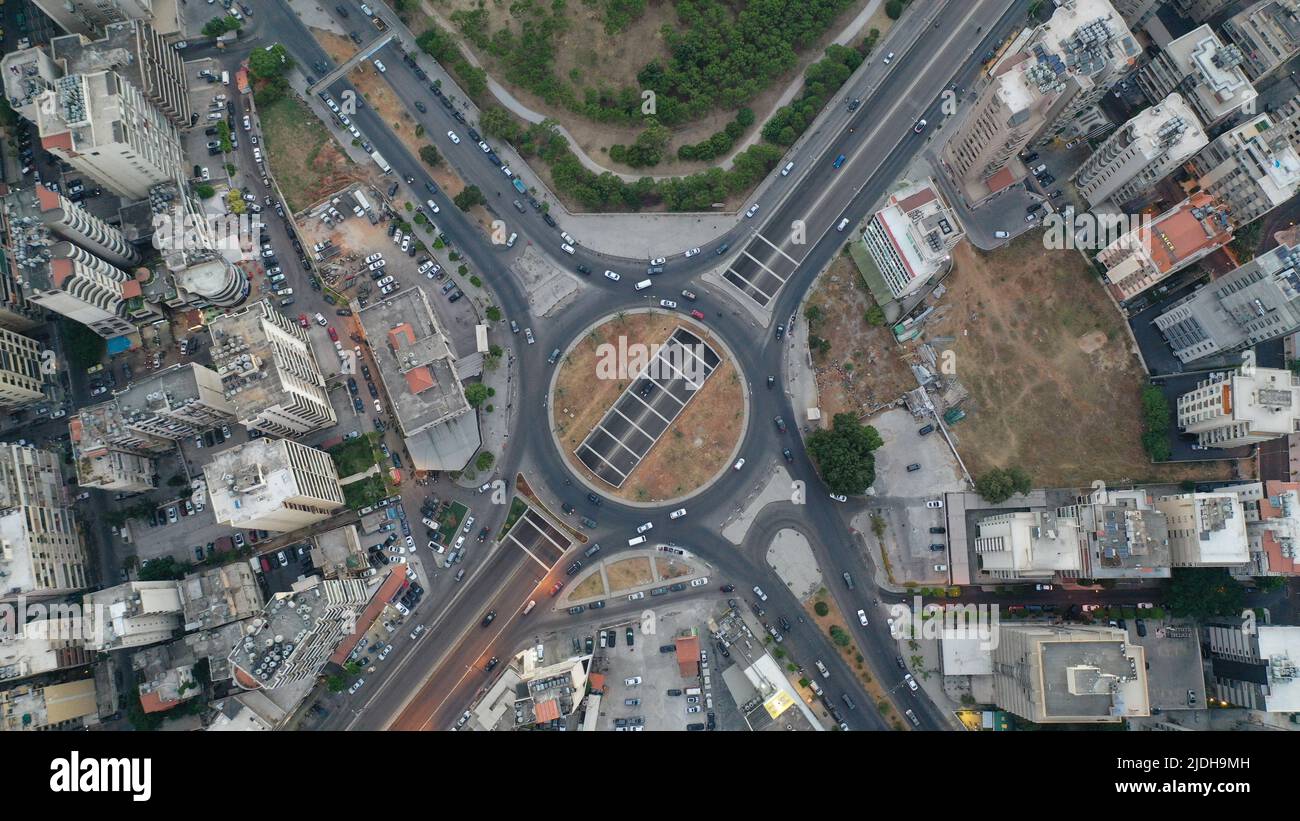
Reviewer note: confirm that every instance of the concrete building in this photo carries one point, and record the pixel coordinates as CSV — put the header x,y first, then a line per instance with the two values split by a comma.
x,y
419,371
45,644
134,614
221,595
273,484
1154,143
166,674
1272,525
250,710
41,554
1150,254
1206,72
137,52
1247,406
199,250
1258,670
1205,529
269,371
1076,674
1250,170
22,370
90,16
1027,545
68,706
1257,302
1046,84
1121,535
911,239
1136,13
1268,34
1201,10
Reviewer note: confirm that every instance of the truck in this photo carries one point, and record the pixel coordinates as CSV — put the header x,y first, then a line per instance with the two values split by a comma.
x,y
381,162
361,198
693,691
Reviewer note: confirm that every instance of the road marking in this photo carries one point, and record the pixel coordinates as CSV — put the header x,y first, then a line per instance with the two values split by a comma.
x,y
777,248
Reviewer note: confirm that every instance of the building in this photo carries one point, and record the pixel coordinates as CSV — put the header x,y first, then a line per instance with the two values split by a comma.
x,y
269,371
1155,142
1268,34
1257,669
43,645
134,614
199,250
1201,10
1272,525
1241,408
1206,72
1250,170
1046,84
1076,674
273,484
1136,13
41,554
1205,529
68,706
90,16
1152,252
166,673
1027,545
250,710
22,370
911,239
1257,302
217,596
421,377
1121,535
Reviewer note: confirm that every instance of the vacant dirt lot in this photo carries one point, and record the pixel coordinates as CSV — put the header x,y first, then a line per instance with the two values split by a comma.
x,y
628,573
864,368
593,585
306,162
1053,383
690,452
670,568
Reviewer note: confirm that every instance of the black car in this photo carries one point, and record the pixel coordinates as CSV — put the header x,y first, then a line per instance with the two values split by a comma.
x,y
492,663
595,500
785,623
583,269
780,423
1141,628
491,614
901,664
728,588
358,404
549,220
352,386
421,107
789,456
667,648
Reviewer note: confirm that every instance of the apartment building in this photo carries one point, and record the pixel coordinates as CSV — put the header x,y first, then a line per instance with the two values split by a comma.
x,y
1251,169
1035,544
1047,84
1121,535
1137,13
46,644
1272,525
1198,11
1151,145
1258,669
90,16
22,370
155,413
910,240
217,596
1207,73
139,54
1075,674
68,706
134,614
1205,529
273,484
16,313
269,371
1149,254
41,553
421,378
1268,34
1254,303
1244,407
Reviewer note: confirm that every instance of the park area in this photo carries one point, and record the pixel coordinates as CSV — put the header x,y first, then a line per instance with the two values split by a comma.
x,y
1054,383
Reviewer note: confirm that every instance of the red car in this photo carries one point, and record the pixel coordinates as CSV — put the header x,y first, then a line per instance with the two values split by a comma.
x,y
302,320
334,335
698,314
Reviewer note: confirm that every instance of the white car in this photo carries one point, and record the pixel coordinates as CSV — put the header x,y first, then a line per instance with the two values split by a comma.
x,y
647,526
758,591
469,522
934,504
410,542
888,57
385,281
862,617
487,149
692,252
377,265
658,261
839,497
451,135
667,303
700,582
612,276
632,681
677,514
567,248
636,596
505,169
1042,587
753,209
460,542
436,548
433,206
740,463
419,628
388,648
564,235
380,66
373,258
320,320
356,685
911,682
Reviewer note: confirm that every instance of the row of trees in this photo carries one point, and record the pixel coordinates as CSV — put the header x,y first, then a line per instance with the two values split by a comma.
x,y
720,142
1156,418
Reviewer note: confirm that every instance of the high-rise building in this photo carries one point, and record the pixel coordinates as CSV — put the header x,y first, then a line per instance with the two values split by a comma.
x,y
1250,170
1272,525
138,54
1047,84
1268,34
1136,13
273,484
1205,71
1247,406
41,554
1258,669
1149,254
1155,142
1254,303
22,370
43,645
134,614
1075,674
269,371
910,240
1201,10
1035,544
1205,529
1121,535
90,16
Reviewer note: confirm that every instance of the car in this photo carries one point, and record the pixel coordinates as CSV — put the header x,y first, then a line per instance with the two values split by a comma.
x,y
419,628
451,135
839,497
780,424
528,336
740,463
320,320
640,594
419,106
667,303
1141,627
758,591
934,504
839,161
379,66
941,568
356,685
780,331
919,127
632,681
644,527
1042,587
692,252
862,617
612,276
487,619
848,579
1001,234
753,209
911,682
373,258
677,514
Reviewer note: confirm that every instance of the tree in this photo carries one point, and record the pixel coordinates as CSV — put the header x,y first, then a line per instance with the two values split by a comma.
x,y
894,9
1204,592
476,393
821,608
493,313
844,454
839,636
998,485
204,191
83,346
469,197
270,62
875,316
429,154
484,461
336,684
165,568
1155,423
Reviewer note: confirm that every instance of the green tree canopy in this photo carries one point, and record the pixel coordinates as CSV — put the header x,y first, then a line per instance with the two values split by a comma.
x,y
270,62
999,484
469,197
1204,592
430,155
844,454
476,393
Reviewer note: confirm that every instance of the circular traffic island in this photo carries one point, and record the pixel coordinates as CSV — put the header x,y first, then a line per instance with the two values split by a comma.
x,y
648,407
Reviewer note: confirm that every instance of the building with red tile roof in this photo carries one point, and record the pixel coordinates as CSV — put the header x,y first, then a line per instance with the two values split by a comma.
x,y
688,656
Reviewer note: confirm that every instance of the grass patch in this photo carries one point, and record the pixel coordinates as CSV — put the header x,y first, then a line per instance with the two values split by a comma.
x,y
450,521
356,456
517,508
365,492
306,162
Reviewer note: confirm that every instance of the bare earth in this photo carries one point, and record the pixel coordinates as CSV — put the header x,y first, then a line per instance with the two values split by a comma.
x,y
690,452
1053,383
593,585
670,568
307,164
628,573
